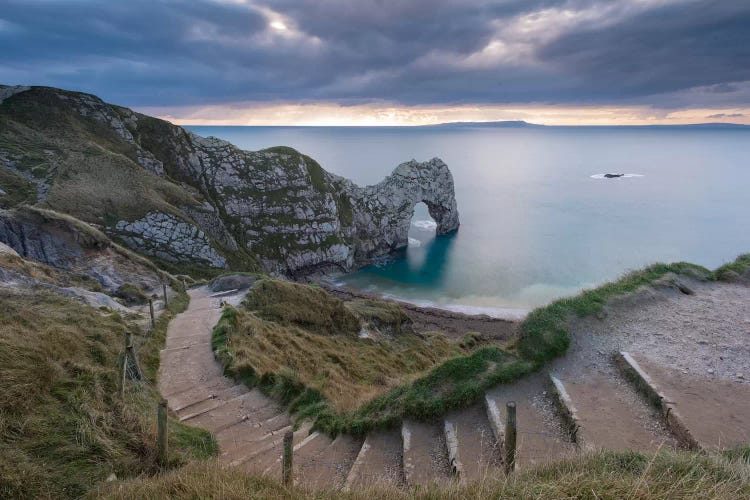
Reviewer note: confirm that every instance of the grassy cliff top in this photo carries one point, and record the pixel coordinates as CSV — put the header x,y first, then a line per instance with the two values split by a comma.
x,y
321,355
64,425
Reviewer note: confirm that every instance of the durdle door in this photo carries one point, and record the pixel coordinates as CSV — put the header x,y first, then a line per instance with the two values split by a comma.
x,y
203,201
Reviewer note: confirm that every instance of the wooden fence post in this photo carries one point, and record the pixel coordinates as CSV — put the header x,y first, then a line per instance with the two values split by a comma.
x,y
286,459
510,437
164,287
161,430
128,344
151,309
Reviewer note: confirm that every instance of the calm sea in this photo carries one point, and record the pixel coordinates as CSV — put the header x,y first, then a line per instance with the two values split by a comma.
x,y
535,224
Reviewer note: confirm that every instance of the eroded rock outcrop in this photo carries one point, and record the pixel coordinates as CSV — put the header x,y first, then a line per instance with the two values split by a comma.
x,y
169,238
69,245
172,194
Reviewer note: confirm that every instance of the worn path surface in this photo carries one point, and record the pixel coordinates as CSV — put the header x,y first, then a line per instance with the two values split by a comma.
x,y
694,346
245,422
248,425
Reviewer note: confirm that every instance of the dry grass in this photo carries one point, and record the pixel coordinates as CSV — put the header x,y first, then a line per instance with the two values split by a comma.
x,y
123,189
308,307
53,141
63,425
47,274
351,367
85,234
664,476
345,369
16,188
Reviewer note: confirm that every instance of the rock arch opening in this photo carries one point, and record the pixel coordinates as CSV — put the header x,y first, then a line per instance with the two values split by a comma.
x,y
422,227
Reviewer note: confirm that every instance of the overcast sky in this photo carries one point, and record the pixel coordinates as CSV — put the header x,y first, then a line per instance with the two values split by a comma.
x,y
390,61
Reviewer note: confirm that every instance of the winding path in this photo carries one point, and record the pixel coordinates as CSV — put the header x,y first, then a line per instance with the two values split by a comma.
x,y
601,407
246,423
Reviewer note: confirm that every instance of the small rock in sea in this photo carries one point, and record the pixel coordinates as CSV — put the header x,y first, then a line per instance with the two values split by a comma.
x,y
739,375
702,342
711,371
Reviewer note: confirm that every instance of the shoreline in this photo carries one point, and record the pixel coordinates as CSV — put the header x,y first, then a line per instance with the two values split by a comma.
x,y
452,323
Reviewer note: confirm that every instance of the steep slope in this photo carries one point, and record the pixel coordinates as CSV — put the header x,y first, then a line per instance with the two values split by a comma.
x,y
66,422
171,194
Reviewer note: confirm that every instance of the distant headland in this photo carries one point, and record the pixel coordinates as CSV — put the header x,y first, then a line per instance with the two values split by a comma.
x,y
525,124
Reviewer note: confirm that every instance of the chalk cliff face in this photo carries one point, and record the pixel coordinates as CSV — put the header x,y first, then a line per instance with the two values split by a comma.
x,y
172,194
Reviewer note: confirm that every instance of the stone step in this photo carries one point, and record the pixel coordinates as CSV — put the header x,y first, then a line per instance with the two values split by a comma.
x,y
187,400
605,413
478,451
249,453
175,390
247,406
425,455
540,436
242,435
702,411
198,409
328,468
269,460
379,460
311,445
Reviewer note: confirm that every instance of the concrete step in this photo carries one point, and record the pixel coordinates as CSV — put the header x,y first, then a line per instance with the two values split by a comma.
x,y
311,445
703,412
193,365
247,455
235,438
425,455
605,413
379,460
185,401
247,406
540,436
268,460
328,468
478,452
198,409
186,341
173,390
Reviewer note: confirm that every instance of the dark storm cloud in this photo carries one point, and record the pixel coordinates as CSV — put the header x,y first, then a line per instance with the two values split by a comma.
x,y
172,52
665,49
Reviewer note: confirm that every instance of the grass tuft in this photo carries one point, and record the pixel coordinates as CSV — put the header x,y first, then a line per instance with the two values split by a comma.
x,y
308,307
154,341
663,476
64,426
734,270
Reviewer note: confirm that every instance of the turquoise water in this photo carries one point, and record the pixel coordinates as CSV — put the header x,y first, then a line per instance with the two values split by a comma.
x,y
534,224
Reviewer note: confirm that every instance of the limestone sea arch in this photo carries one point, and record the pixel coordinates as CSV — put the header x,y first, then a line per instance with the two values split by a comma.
x,y
187,199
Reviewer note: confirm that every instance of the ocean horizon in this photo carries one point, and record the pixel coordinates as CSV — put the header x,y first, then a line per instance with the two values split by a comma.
x,y
539,220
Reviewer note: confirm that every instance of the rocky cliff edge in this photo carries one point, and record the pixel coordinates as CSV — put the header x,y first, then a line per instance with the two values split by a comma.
x,y
181,198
